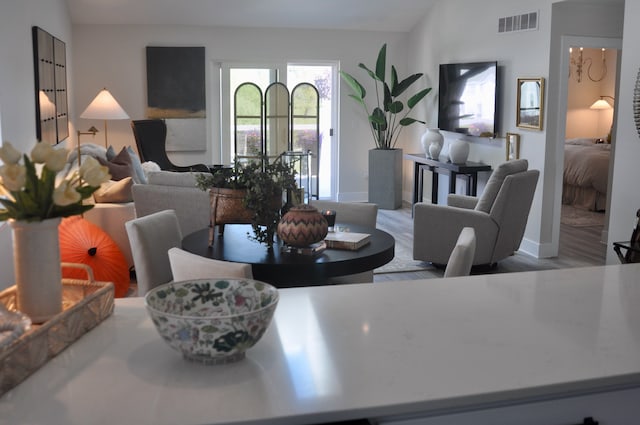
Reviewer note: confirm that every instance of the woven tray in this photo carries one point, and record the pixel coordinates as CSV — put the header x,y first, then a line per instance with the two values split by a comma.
x,y
85,304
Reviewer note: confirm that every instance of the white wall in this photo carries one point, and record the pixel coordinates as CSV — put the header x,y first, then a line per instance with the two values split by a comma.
x,y
463,31
114,57
17,90
625,195
459,30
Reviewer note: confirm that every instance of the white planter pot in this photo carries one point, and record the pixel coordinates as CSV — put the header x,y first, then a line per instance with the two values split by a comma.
x,y
432,142
36,259
459,151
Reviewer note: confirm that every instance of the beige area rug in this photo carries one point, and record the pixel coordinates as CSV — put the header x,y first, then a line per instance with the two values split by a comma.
x,y
402,262
577,217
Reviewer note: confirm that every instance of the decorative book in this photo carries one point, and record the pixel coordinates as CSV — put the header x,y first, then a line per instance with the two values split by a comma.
x,y
347,240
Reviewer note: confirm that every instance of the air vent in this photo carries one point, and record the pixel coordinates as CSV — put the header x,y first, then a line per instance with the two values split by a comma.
x,y
524,22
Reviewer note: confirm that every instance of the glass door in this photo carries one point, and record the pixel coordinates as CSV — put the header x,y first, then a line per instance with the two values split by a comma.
x,y
324,77
232,76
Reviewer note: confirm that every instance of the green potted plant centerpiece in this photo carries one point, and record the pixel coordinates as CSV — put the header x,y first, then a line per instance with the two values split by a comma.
x,y
250,193
387,117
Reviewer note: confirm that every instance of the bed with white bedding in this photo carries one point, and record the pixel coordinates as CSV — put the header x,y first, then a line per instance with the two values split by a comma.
x,y
586,172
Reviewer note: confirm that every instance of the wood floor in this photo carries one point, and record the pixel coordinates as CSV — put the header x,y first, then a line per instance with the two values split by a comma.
x,y
579,247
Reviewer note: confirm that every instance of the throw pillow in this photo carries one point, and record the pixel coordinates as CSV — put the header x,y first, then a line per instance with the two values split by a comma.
x,y
140,177
149,167
113,191
120,166
111,153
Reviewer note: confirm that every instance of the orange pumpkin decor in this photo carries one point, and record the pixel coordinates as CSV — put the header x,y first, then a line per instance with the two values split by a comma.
x,y
83,242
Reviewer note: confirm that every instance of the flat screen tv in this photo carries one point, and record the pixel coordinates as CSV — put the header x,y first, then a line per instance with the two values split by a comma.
x,y
468,98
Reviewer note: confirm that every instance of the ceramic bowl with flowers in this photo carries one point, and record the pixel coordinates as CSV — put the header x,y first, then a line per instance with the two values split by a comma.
x,y
32,189
212,321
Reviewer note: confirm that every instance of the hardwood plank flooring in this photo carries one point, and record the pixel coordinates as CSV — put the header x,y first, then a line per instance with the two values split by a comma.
x,y
579,247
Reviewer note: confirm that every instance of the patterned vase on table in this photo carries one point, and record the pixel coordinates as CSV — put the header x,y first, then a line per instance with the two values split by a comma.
x,y
36,259
301,226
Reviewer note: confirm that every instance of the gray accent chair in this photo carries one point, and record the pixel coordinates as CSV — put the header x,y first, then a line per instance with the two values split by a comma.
x,y
499,217
364,214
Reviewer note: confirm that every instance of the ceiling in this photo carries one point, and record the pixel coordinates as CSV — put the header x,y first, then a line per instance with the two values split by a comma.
x,y
363,15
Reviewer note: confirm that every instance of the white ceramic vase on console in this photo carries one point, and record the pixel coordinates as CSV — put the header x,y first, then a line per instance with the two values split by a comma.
x,y
432,142
459,151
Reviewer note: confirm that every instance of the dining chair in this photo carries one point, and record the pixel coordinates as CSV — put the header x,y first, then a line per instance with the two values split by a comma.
x,y
185,266
361,213
150,238
461,258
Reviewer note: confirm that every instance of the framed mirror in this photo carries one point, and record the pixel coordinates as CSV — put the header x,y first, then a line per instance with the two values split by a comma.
x,y
530,103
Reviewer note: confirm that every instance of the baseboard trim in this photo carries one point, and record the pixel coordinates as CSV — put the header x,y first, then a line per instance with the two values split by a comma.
x,y
352,197
538,250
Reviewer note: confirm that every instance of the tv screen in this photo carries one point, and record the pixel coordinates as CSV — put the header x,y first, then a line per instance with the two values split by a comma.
x,y
467,98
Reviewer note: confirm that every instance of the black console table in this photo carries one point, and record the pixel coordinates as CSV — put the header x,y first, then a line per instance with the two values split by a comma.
x,y
469,169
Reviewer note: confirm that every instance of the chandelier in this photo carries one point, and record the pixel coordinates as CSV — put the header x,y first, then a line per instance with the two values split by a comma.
x,y
580,66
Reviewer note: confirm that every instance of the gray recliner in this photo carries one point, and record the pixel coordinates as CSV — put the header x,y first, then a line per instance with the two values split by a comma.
x,y
499,217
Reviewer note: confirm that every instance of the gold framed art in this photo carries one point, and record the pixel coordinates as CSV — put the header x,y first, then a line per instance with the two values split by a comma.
x,y
512,146
530,103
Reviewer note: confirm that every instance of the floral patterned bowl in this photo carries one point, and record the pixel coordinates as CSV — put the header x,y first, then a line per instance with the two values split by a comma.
x,y
212,321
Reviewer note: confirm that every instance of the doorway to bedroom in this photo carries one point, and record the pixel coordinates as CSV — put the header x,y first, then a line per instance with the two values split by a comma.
x,y
589,138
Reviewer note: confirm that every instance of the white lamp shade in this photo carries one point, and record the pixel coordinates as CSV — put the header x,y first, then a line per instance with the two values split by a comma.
x,y
600,104
104,107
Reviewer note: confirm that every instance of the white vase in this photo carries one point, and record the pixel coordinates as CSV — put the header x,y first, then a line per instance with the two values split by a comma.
x,y
430,137
36,260
434,150
459,151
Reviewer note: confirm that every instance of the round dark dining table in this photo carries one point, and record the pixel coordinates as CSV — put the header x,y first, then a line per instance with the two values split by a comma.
x,y
283,269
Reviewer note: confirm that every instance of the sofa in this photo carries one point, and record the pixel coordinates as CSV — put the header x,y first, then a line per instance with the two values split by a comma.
x,y
176,191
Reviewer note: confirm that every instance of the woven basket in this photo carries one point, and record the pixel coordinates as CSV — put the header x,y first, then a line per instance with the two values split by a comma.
x,y
227,206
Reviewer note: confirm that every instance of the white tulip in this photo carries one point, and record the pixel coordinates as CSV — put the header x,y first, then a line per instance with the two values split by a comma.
x,y
41,152
65,194
93,173
8,154
57,160
14,176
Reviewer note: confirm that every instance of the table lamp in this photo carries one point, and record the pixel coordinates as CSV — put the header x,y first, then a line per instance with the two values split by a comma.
x,y
104,107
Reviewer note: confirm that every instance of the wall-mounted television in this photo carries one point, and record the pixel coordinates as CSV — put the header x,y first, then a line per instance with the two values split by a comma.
x,y
467,100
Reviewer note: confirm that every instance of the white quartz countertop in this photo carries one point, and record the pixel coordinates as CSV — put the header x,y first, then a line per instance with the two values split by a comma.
x,y
351,351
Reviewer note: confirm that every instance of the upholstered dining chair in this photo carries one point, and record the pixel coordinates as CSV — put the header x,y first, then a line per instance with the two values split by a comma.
x,y
364,214
499,217
461,258
150,238
151,138
185,265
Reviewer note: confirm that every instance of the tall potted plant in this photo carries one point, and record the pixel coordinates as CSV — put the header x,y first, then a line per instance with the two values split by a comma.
x,y
387,117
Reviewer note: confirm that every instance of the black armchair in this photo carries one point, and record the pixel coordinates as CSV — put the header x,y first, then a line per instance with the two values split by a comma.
x,y
151,137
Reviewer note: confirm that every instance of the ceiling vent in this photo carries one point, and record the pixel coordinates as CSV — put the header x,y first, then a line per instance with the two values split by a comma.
x,y
524,22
